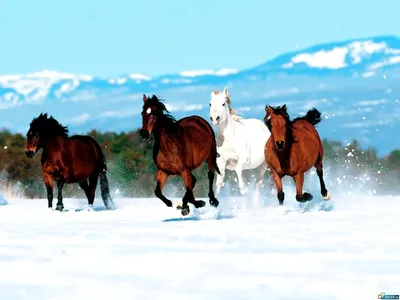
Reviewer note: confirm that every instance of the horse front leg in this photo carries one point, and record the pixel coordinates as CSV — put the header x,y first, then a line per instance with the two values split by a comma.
x,y
60,185
220,177
48,181
161,180
239,170
300,196
260,178
278,184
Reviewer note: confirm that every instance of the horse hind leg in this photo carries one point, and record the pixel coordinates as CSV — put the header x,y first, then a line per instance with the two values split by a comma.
x,y
220,177
187,177
85,187
60,185
324,192
260,179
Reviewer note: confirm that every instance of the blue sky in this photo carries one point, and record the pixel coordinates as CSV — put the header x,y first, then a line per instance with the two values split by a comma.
x,y
110,38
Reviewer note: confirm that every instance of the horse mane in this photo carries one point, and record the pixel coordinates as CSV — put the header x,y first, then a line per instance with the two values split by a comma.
x,y
313,117
233,112
170,121
48,127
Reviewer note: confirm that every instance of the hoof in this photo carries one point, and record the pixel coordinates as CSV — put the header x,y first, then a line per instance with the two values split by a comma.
x,y
60,207
199,203
280,203
179,205
327,197
243,191
304,198
185,211
214,202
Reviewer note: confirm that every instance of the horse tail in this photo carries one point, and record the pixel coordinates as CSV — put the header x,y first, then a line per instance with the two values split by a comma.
x,y
105,191
214,152
313,116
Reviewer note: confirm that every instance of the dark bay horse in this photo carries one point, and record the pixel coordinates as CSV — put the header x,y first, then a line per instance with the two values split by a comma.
x,y
65,159
294,148
180,147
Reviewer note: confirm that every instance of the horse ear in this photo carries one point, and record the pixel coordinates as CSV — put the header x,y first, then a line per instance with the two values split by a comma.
x,y
284,107
144,98
226,91
266,108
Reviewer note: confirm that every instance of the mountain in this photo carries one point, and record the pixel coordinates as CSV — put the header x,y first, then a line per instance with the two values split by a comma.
x,y
354,83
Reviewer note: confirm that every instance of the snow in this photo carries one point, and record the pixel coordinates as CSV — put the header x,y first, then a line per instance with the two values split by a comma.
x,y
335,58
347,249
221,72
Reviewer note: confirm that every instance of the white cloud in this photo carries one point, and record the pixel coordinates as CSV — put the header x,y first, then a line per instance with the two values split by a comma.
x,y
367,123
82,118
221,72
372,102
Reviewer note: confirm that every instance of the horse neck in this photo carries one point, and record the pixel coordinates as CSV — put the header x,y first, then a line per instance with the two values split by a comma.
x,y
162,135
227,126
53,143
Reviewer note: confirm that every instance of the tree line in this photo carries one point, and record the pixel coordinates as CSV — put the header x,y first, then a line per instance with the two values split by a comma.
x,y
132,171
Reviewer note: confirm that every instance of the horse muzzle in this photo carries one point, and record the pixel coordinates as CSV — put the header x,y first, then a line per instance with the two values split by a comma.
x,y
215,121
30,153
144,134
280,145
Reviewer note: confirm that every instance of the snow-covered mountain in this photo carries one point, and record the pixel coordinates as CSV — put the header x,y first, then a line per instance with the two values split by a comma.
x,y
355,84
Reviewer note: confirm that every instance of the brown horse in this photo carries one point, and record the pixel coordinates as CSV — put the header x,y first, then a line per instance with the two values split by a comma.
x,y
293,148
75,159
180,147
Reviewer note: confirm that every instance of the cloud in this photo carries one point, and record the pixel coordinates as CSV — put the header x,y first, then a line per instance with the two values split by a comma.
x,y
82,118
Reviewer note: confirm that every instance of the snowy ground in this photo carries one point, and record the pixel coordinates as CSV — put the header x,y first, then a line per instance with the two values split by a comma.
x,y
143,250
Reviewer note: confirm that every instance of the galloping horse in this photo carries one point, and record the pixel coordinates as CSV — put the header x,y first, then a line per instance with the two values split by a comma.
x,y
240,141
294,147
180,147
68,160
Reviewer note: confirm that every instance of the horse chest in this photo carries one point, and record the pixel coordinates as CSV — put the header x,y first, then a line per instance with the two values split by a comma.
x,y
53,170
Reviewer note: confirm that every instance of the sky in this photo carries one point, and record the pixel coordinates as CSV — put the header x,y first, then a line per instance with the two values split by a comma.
x,y
112,38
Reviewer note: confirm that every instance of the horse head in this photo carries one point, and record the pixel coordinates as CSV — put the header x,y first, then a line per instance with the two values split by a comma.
x,y
220,106
41,129
277,121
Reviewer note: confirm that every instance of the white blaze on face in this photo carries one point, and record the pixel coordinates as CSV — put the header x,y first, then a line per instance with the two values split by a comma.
x,y
148,111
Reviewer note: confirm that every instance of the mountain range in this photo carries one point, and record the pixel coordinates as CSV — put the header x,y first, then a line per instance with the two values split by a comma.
x,y
354,83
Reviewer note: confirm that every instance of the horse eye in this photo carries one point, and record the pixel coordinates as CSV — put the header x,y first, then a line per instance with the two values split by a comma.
x,y
209,104
223,104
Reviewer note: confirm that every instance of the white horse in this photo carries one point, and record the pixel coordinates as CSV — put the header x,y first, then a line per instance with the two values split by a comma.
x,y
240,142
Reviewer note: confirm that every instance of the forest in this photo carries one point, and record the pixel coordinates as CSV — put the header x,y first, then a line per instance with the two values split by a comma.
x,y
132,171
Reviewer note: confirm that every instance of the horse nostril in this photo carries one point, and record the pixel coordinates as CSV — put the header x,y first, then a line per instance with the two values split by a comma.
x,y
218,118
280,144
211,119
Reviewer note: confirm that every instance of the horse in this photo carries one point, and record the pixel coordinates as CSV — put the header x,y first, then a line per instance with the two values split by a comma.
x,y
240,141
293,149
67,159
180,146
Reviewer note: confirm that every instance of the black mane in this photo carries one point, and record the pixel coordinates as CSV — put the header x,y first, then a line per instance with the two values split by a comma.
x,y
313,116
48,127
161,111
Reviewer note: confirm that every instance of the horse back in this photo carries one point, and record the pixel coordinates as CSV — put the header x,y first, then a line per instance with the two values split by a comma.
x,y
307,140
85,143
197,140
